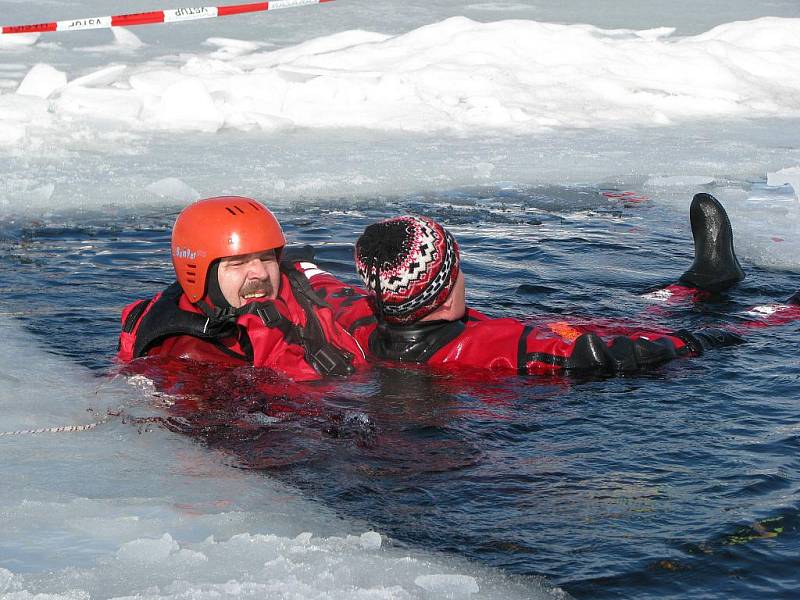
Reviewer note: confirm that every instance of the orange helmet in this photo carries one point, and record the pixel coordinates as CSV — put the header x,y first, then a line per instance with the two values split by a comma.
x,y
214,228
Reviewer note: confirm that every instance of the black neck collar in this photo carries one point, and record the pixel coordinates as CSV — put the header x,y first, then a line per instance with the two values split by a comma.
x,y
416,342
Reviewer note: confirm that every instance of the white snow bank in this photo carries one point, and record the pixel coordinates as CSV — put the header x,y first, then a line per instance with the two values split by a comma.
x,y
123,511
457,76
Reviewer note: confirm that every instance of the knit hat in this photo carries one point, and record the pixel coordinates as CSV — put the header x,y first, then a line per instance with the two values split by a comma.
x,y
411,263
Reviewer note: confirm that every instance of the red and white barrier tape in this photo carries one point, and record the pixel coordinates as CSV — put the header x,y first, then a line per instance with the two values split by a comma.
x,y
158,16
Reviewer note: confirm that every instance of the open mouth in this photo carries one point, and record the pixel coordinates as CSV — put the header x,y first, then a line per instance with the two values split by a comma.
x,y
255,290
259,294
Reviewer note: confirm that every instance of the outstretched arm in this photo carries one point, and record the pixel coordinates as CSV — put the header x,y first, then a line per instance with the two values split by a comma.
x,y
587,350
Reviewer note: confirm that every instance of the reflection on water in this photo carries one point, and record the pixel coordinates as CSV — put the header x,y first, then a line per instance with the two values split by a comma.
x,y
665,484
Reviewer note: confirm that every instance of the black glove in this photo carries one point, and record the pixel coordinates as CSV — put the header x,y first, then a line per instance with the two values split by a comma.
x,y
623,355
705,339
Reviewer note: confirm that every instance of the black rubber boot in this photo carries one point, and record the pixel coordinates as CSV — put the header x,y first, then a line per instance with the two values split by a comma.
x,y
715,267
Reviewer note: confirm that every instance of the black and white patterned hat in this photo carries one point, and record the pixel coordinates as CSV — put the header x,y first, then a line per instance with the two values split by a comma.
x,y
411,263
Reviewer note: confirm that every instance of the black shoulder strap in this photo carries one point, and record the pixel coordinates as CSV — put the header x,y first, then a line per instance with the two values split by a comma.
x,y
323,356
301,285
133,317
326,358
166,319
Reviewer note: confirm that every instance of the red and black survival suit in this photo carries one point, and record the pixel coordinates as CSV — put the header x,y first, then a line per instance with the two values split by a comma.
x,y
480,342
296,334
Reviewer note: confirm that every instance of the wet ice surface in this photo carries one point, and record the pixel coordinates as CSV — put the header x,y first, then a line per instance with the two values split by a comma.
x,y
348,112
131,509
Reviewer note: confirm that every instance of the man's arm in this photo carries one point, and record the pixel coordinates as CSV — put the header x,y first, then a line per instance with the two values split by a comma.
x,y
351,305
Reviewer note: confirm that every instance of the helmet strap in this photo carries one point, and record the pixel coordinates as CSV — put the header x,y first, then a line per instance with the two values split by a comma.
x,y
212,285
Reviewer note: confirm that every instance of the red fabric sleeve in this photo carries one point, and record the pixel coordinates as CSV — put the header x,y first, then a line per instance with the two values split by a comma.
x,y
350,304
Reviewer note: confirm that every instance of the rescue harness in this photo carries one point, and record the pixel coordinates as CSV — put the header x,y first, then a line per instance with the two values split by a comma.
x,y
156,320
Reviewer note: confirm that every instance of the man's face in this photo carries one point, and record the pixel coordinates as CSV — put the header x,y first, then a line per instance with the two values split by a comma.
x,y
248,277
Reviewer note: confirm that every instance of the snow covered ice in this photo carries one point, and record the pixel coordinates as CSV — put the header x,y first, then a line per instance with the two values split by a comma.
x,y
454,76
351,99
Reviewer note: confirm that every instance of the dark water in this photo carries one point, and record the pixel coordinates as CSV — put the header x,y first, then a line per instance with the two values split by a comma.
x,y
681,482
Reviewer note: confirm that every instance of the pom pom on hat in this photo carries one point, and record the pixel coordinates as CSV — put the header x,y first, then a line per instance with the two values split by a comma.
x,y
411,263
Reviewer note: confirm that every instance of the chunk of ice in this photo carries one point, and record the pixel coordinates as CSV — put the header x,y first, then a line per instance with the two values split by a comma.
x,y
41,81
148,550
104,76
174,188
18,40
789,176
448,586
126,39
99,103
230,48
187,105
371,540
